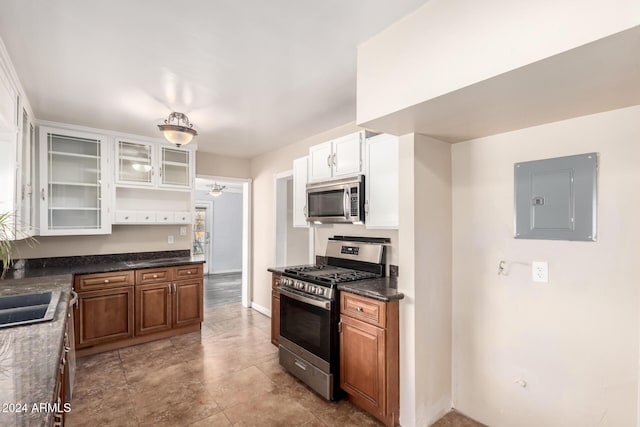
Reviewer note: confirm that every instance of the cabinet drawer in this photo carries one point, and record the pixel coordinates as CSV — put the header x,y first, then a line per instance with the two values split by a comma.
x,y
125,217
166,217
153,275
89,282
182,217
145,216
365,309
188,271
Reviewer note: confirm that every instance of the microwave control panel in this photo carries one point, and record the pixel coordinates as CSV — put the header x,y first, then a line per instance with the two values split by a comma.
x,y
354,201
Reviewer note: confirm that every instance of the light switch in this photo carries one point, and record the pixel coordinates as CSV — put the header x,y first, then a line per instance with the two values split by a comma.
x,y
183,231
170,239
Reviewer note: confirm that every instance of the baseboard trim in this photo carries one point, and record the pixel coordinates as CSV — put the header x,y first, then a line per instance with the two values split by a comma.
x,y
261,309
225,272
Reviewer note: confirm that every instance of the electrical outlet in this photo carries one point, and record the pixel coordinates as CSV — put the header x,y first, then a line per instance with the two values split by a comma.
x,y
540,271
183,231
170,240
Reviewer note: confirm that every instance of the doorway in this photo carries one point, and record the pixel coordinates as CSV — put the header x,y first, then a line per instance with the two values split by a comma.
x,y
221,237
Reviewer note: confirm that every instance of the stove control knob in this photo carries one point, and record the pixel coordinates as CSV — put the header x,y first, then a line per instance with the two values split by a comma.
x,y
319,291
311,289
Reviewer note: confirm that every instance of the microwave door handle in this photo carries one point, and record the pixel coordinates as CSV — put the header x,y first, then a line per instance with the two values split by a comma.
x,y
346,204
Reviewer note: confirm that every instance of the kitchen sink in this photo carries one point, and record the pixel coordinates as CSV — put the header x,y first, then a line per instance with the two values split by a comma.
x,y
28,308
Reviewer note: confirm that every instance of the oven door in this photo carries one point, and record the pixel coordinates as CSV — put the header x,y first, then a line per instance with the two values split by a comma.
x,y
306,321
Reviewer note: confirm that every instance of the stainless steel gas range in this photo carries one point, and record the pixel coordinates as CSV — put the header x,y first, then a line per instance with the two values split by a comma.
x,y
310,312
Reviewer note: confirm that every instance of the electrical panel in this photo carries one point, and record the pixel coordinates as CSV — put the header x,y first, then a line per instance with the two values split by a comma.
x,y
555,199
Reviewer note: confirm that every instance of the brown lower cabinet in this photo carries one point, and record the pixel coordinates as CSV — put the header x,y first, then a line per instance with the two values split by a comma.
x,y
146,304
164,306
103,316
369,355
275,309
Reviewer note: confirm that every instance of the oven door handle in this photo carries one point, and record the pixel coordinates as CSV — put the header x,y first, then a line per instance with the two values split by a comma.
x,y
326,305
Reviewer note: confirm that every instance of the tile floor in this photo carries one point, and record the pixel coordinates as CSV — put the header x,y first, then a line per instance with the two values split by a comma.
x,y
222,289
226,374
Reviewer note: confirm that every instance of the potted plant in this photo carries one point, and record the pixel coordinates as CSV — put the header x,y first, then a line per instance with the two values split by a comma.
x,y
7,236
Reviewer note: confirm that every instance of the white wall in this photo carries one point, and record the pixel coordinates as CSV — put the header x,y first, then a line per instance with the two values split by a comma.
x,y
574,340
447,45
123,239
425,279
216,165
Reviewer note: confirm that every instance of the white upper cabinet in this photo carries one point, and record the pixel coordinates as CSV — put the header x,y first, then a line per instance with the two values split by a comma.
x,y
321,161
8,102
176,167
74,182
26,192
147,164
17,148
154,183
381,182
135,163
338,158
8,143
300,168
347,155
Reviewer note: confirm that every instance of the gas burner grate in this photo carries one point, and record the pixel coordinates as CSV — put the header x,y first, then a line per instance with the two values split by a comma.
x,y
348,276
301,269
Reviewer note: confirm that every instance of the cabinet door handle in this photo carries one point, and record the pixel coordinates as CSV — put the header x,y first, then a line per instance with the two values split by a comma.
x,y
174,288
155,276
106,280
42,194
189,272
74,299
358,308
334,159
169,285
329,160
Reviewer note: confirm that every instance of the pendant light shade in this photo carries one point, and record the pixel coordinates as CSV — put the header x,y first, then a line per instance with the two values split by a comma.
x,y
216,189
177,129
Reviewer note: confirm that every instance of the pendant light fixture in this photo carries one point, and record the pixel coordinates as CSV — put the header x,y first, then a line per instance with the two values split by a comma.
x,y
177,129
216,189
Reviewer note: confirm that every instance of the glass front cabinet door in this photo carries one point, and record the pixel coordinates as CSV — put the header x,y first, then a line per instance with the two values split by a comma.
x,y
134,163
73,183
175,167
145,164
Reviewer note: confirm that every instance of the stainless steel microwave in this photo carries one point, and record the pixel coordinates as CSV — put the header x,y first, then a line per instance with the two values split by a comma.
x,y
336,201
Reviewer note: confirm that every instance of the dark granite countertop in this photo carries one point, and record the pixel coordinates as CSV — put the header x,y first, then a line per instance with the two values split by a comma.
x,y
102,266
30,355
382,289
277,270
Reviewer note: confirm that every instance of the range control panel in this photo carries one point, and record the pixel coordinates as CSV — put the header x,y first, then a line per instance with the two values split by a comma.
x,y
350,250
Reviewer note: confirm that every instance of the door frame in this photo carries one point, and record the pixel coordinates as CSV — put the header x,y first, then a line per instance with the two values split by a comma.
x,y
246,231
208,204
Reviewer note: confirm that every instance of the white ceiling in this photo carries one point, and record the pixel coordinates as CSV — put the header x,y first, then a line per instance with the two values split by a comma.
x,y
252,75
